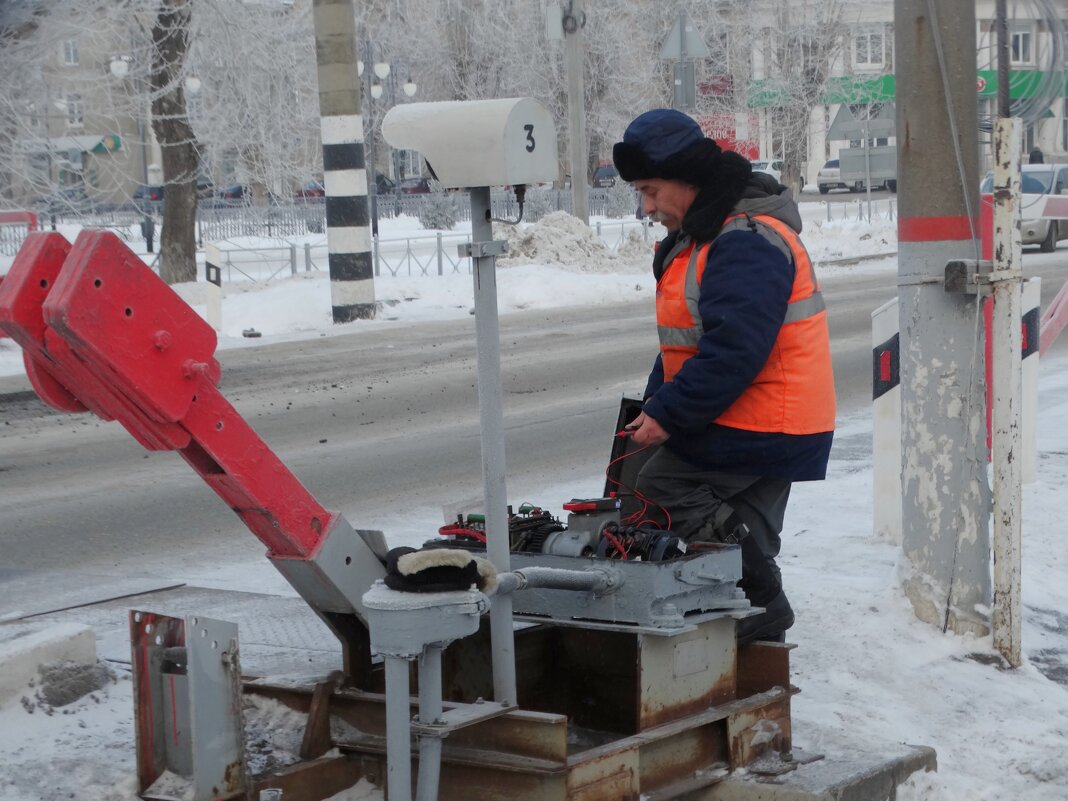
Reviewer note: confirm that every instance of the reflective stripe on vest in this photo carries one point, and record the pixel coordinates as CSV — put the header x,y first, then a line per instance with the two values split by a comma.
x,y
794,392
691,335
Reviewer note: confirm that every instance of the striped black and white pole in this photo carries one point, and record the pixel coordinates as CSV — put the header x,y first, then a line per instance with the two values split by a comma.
x,y
348,231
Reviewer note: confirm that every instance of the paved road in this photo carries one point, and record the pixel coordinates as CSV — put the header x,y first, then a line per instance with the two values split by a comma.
x,y
375,423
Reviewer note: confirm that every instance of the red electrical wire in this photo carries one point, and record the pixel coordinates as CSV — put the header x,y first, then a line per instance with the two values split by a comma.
x,y
461,531
645,501
612,539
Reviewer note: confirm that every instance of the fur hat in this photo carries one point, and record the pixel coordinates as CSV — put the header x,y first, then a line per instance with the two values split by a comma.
x,y
664,143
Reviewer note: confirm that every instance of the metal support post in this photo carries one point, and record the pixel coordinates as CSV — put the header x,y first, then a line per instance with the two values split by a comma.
x,y
491,420
945,496
1006,440
398,730
430,709
867,157
575,54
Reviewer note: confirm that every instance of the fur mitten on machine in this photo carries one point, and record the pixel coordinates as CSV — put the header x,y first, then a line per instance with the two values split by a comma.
x,y
437,570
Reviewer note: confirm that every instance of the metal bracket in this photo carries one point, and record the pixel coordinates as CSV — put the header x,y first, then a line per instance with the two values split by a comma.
x,y
479,250
460,715
187,708
967,276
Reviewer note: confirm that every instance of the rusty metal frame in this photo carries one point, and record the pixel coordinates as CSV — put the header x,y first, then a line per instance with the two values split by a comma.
x,y
530,755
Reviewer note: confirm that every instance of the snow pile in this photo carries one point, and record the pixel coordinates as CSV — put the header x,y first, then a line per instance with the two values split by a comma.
x,y
63,683
849,239
273,734
558,239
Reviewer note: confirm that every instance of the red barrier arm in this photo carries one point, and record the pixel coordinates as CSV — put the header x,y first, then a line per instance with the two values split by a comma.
x,y
116,339
1053,321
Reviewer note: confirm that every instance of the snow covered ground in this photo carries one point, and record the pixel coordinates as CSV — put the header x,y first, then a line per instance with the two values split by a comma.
x,y
868,669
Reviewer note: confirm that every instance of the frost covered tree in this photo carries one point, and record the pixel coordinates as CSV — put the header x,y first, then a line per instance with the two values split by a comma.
x,y
255,122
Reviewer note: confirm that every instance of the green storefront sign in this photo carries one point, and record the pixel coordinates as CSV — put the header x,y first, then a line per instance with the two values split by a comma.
x,y
882,88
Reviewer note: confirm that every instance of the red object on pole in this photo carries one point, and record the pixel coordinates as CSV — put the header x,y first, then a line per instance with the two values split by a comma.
x,y
105,333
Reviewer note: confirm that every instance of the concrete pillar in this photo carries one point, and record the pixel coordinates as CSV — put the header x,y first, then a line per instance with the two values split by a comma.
x,y
946,499
348,230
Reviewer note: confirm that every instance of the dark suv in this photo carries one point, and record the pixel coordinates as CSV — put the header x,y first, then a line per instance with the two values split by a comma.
x,y
605,176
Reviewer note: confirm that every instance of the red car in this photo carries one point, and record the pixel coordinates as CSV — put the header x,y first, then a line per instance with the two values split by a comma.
x,y
415,186
309,190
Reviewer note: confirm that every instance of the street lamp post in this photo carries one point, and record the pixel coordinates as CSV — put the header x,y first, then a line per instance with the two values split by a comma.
x,y
374,90
409,89
120,68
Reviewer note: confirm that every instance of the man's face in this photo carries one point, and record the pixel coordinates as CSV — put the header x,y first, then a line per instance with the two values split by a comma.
x,y
666,201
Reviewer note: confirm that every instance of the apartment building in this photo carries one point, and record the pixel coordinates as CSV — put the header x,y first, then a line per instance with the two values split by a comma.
x,y
859,77
77,125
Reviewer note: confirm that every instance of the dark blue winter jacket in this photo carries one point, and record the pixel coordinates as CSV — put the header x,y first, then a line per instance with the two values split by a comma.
x,y
744,294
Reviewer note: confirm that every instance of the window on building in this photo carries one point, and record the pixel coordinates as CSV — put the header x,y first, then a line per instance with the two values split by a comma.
x,y
70,52
868,48
410,164
1022,42
1064,134
75,112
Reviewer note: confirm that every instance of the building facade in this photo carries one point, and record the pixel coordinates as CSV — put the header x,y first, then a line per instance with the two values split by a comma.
x,y
852,61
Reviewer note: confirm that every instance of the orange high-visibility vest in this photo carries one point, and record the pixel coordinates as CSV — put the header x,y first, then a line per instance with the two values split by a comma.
x,y
794,391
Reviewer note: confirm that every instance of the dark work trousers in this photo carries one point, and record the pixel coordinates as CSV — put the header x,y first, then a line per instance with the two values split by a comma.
x,y
700,501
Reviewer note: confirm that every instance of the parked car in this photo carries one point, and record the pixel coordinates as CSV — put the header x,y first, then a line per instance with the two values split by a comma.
x,y
384,185
830,177
605,176
148,197
148,192
310,191
774,169
414,186
1038,181
232,192
68,200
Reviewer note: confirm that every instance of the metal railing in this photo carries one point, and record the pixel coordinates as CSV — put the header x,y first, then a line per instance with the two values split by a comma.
x,y
427,261
434,254
11,236
262,264
858,209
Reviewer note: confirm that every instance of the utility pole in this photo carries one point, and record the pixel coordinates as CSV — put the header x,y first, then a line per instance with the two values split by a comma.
x,y
348,232
574,19
945,497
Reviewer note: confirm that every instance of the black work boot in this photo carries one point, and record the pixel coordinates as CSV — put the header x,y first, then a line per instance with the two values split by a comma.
x,y
770,625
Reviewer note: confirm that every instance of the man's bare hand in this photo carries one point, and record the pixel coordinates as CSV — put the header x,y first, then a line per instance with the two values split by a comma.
x,y
646,431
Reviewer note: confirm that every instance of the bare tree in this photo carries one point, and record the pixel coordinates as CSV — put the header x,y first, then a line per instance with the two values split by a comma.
x,y
257,115
803,44
170,121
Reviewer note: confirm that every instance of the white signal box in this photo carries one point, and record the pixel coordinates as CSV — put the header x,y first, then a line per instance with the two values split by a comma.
x,y
470,143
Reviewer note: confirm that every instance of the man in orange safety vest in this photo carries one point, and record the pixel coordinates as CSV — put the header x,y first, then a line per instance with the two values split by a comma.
x,y
741,396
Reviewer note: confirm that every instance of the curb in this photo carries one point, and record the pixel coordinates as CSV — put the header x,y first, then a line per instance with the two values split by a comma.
x,y
26,646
